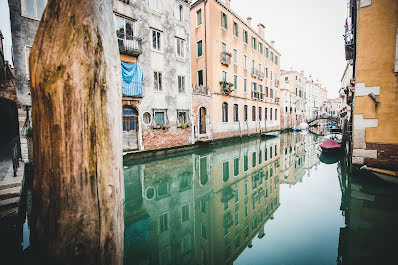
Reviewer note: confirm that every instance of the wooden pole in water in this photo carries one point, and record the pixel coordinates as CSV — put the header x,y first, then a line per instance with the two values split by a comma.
x,y
77,214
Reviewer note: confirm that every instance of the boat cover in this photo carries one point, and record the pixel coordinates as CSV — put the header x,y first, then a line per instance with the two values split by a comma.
x,y
330,144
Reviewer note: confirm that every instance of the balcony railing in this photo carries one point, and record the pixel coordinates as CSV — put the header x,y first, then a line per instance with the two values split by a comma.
x,y
134,89
226,58
254,72
201,90
260,75
349,42
131,47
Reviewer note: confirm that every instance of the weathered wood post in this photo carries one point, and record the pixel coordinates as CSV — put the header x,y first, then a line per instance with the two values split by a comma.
x,y
77,214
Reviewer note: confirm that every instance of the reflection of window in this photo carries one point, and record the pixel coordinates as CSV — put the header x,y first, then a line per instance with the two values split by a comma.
x,y
245,163
236,166
246,209
163,189
236,194
185,183
164,256
266,154
156,40
203,206
157,81
33,8
237,241
260,156
163,222
225,171
237,217
186,244
204,177
203,231
185,212
254,159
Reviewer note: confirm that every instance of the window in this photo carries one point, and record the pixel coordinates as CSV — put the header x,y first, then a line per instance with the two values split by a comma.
x,y
124,30
181,84
245,168
163,222
266,72
156,40
272,56
236,113
157,81
178,12
186,244
245,112
270,114
236,171
245,85
180,48
236,34
224,76
182,116
245,37
159,118
254,43
244,61
286,78
266,113
266,92
235,57
225,112
130,119
199,17
260,47
235,82
200,77
33,8
253,113
266,53
272,93
276,114
260,111
271,75
146,118
225,171
224,20
199,48
185,213
276,59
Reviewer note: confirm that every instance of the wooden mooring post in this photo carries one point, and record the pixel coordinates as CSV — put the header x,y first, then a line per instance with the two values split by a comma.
x,y
75,77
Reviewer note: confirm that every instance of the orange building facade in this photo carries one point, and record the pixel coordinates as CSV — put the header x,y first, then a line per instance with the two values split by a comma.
x,y
235,74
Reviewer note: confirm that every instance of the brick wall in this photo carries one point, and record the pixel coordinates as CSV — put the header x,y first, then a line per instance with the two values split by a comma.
x,y
159,138
387,156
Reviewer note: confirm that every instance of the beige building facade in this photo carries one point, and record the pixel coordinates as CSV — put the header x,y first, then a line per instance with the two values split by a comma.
x,y
235,74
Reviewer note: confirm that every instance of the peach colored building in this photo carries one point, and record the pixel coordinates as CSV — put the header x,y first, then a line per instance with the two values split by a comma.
x,y
235,74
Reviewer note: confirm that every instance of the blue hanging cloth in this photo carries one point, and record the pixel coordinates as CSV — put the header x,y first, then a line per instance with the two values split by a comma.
x,y
132,79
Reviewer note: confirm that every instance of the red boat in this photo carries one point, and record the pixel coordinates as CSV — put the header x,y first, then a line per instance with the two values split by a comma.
x,y
330,146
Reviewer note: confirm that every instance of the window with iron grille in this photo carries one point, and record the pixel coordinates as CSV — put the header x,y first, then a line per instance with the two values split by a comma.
x,y
181,84
236,113
180,48
225,112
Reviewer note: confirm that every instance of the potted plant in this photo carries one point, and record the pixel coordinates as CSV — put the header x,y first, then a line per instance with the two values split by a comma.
x,y
226,87
185,125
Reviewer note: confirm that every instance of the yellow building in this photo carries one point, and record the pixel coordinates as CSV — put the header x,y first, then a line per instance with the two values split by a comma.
x,y
235,74
371,41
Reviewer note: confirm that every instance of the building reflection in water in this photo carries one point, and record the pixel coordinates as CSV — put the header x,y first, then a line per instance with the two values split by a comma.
x,y
206,207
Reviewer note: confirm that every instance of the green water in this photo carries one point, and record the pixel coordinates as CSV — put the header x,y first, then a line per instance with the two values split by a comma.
x,y
256,202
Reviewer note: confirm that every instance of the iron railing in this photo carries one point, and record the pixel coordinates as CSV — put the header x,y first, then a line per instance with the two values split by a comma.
x,y
226,58
201,90
132,46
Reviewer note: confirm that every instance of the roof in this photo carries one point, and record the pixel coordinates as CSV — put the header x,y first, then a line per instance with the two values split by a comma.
x,y
241,20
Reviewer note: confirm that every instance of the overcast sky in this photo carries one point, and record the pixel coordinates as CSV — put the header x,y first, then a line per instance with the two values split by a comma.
x,y
308,34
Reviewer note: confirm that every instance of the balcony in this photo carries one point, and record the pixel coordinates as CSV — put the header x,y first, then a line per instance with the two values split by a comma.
x,y
254,72
226,58
276,83
260,75
130,47
133,89
349,42
201,90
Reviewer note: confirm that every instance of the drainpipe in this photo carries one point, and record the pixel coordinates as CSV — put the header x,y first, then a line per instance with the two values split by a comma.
x,y
204,10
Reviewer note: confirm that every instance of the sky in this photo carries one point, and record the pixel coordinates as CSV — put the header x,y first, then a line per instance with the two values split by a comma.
x,y
308,34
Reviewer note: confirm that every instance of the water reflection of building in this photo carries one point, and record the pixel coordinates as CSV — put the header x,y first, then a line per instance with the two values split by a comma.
x,y
293,158
200,208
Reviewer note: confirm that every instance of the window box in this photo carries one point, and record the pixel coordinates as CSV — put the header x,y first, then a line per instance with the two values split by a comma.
x,y
226,87
184,125
160,127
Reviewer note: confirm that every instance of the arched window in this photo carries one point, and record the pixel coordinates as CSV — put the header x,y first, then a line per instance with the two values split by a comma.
x,y
236,113
270,114
245,112
260,110
253,113
130,121
266,113
225,112
276,114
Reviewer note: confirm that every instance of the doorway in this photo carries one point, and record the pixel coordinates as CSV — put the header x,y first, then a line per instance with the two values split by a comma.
x,y
130,128
202,120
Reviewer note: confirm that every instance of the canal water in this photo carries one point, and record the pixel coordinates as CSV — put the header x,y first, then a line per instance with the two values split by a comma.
x,y
255,201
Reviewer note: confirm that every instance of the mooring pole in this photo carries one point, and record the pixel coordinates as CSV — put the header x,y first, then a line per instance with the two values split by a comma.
x,y
75,77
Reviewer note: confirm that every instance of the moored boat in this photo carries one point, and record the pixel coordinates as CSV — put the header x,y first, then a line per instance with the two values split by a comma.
x,y
384,174
270,134
330,146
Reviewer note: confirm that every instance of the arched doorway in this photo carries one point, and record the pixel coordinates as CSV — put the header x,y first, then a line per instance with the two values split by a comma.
x,y
202,120
130,127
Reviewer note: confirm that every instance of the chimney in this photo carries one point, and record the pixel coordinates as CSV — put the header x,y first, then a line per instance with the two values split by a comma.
x,y
249,21
228,3
260,29
272,43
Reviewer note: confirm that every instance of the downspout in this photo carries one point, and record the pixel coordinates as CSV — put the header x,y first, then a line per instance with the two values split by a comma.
x,y
204,9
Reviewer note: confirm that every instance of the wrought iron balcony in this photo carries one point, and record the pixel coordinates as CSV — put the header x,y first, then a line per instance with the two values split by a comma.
x,y
226,58
131,47
349,42
201,90
254,72
260,75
